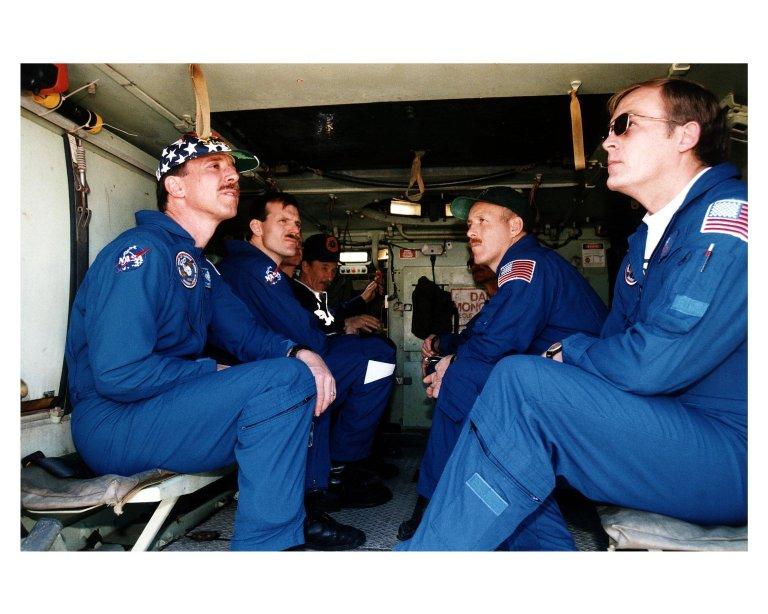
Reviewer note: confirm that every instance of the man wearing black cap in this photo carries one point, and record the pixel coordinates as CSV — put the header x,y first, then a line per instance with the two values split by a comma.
x,y
362,367
144,395
319,264
541,298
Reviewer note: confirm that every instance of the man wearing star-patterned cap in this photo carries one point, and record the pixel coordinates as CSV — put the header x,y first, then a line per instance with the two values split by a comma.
x,y
146,396
189,147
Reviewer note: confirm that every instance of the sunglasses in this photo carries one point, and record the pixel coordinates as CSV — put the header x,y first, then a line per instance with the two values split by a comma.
x,y
621,124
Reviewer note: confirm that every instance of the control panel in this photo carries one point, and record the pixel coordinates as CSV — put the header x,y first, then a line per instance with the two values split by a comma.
x,y
353,269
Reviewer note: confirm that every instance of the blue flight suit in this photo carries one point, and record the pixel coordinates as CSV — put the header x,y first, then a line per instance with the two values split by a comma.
x,y
650,415
448,343
143,397
541,299
358,407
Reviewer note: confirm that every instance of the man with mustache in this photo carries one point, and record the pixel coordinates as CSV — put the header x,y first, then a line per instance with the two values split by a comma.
x,y
448,343
144,395
652,412
319,264
540,299
362,369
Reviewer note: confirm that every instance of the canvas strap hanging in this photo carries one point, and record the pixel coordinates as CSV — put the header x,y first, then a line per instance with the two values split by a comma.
x,y
576,128
416,178
202,106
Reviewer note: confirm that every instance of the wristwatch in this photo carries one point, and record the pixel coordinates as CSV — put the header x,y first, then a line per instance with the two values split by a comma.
x,y
296,349
554,350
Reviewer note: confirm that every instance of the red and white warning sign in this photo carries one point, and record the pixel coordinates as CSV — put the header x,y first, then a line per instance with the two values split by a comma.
x,y
593,255
407,253
468,301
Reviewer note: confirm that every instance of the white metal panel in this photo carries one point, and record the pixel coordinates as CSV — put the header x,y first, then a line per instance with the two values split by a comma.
x,y
40,432
117,191
44,257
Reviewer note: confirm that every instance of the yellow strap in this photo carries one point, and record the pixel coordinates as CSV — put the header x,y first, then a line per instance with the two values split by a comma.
x,y
416,178
577,132
202,107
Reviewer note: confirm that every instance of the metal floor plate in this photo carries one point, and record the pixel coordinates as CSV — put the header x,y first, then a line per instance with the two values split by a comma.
x,y
380,523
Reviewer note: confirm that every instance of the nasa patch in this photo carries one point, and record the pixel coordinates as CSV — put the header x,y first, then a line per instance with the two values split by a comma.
x,y
187,268
272,276
131,258
628,277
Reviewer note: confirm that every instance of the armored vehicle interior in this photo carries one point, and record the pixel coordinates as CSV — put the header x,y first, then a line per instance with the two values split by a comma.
x,y
374,153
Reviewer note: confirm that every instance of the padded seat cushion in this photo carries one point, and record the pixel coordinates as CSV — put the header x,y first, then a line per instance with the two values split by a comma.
x,y
631,529
41,491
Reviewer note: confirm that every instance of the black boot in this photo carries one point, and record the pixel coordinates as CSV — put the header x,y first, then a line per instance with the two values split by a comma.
x,y
356,486
321,500
321,532
408,527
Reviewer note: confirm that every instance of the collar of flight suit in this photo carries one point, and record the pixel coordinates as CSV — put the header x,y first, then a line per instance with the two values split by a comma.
x,y
236,247
156,218
715,175
516,249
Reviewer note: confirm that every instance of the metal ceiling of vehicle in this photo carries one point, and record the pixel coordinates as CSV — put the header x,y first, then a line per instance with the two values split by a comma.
x,y
155,102
467,132
369,115
369,119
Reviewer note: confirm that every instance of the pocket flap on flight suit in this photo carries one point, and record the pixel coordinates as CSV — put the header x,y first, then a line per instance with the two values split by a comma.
x,y
690,292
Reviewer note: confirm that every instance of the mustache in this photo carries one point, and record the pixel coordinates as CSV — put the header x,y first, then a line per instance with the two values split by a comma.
x,y
474,242
295,237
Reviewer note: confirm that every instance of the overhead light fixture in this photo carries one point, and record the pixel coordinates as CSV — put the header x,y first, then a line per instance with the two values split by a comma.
x,y
404,207
448,212
354,257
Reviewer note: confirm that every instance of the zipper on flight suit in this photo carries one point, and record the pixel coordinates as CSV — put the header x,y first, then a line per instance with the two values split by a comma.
x,y
277,415
499,466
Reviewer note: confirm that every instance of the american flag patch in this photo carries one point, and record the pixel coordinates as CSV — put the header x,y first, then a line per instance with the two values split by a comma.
x,y
517,269
729,217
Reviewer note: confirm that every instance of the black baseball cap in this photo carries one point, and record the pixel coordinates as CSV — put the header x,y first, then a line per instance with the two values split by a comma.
x,y
501,195
322,247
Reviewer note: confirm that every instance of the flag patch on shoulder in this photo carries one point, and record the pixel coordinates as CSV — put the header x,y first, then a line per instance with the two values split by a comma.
x,y
730,217
517,269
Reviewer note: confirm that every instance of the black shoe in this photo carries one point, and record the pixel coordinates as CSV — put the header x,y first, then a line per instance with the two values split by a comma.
x,y
356,486
322,500
380,467
408,527
321,532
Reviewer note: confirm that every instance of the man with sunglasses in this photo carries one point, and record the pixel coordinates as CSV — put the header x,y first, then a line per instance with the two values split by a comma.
x,y
650,414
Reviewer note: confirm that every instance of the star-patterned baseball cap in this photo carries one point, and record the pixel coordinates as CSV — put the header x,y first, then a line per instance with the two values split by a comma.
x,y
189,147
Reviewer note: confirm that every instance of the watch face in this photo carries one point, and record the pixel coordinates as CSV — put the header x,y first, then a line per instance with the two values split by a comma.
x,y
555,348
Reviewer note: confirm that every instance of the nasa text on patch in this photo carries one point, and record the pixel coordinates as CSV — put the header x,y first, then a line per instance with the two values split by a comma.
x,y
272,276
629,278
131,258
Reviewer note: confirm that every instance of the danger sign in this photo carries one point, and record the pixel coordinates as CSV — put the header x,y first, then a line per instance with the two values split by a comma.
x,y
468,301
